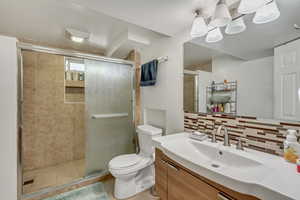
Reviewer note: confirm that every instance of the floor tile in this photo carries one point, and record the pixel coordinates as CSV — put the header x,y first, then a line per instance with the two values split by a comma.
x,y
146,195
53,176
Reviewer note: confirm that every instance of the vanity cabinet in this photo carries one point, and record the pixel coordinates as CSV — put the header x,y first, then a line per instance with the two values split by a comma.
x,y
182,185
175,182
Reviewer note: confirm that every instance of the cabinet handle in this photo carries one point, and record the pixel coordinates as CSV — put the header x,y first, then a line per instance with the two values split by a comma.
x,y
163,162
222,197
169,164
172,166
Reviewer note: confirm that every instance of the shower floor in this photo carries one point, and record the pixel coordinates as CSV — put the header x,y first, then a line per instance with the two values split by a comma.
x,y
57,175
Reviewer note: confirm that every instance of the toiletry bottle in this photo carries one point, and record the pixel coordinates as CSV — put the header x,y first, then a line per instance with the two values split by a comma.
x,y
213,86
291,147
68,76
227,107
225,84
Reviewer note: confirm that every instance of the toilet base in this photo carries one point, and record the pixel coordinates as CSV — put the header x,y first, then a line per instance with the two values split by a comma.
x,y
130,185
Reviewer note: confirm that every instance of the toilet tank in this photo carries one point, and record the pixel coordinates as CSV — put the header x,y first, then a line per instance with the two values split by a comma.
x,y
145,134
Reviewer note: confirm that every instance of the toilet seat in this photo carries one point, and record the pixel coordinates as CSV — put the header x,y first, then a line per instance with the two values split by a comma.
x,y
128,163
124,161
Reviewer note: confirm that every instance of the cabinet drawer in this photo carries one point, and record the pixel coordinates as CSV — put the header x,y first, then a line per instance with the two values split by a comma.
x,y
184,186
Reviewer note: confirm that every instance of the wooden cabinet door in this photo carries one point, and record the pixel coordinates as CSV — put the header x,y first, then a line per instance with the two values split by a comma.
x,y
161,178
184,186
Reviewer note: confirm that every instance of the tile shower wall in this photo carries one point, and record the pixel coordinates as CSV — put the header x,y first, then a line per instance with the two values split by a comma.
x,y
53,130
262,135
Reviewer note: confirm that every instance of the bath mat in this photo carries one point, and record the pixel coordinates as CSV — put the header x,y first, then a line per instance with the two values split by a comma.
x,y
91,192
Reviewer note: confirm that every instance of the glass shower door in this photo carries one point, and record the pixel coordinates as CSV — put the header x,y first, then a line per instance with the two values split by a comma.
x,y
109,113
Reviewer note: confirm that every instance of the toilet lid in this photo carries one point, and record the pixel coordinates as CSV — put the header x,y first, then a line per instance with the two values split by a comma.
x,y
124,161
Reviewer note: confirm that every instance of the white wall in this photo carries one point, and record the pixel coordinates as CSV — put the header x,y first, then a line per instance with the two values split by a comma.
x,y
167,94
8,118
255,83
254,77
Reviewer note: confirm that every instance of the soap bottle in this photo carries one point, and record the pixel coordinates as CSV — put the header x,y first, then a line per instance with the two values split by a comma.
x,y
291,147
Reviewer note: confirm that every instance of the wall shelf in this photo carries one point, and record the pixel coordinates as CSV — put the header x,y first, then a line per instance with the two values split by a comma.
x,y
227,93
74,84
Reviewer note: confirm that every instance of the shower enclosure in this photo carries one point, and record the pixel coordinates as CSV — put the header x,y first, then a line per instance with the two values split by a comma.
x,y
77,114
109,113
190,92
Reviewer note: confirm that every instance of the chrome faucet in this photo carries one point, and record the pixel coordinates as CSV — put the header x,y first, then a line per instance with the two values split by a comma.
x,y
213,138
239,145
226,136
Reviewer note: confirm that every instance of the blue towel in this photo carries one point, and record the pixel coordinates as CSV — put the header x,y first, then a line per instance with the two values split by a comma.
x,y
149,73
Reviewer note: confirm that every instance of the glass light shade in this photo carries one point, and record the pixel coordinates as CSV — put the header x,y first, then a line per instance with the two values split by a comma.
x,y
267,13
199,27
222,16
235,26
251,6
214,35
77,39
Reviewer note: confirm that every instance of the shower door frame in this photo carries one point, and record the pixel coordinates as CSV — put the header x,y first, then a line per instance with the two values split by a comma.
x,y
196,89
67,53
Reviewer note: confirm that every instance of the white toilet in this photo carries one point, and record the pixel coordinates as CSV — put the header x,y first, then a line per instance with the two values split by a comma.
x,y
134,173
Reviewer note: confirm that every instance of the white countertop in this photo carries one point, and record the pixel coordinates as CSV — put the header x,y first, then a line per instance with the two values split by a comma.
x,y
274,179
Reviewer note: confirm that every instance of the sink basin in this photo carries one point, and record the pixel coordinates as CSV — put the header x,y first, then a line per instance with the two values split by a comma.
x,y
220,156
235,164
249,172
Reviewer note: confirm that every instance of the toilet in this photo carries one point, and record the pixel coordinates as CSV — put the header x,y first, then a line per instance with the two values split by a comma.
x,y
134,173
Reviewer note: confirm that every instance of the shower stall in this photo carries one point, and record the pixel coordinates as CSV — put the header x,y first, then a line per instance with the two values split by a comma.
x,y
77,113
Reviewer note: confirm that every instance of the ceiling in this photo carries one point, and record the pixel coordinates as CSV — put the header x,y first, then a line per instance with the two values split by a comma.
x,y
168,17
259,40
44,22
195,55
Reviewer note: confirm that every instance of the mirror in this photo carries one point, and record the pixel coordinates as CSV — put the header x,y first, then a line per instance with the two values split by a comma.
x,y
255,73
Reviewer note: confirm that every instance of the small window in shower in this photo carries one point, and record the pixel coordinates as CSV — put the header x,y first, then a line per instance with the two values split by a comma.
x,y
74,80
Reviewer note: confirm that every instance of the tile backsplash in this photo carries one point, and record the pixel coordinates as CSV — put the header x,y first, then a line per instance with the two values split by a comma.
x,y
262,135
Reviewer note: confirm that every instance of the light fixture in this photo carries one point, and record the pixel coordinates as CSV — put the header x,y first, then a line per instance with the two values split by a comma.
x,y
236,26
76,35
222,15
214,35
251,6
199,27
267,13
77,39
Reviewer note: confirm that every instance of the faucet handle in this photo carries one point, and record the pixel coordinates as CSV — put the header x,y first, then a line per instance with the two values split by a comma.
x,y
240,145
213,138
